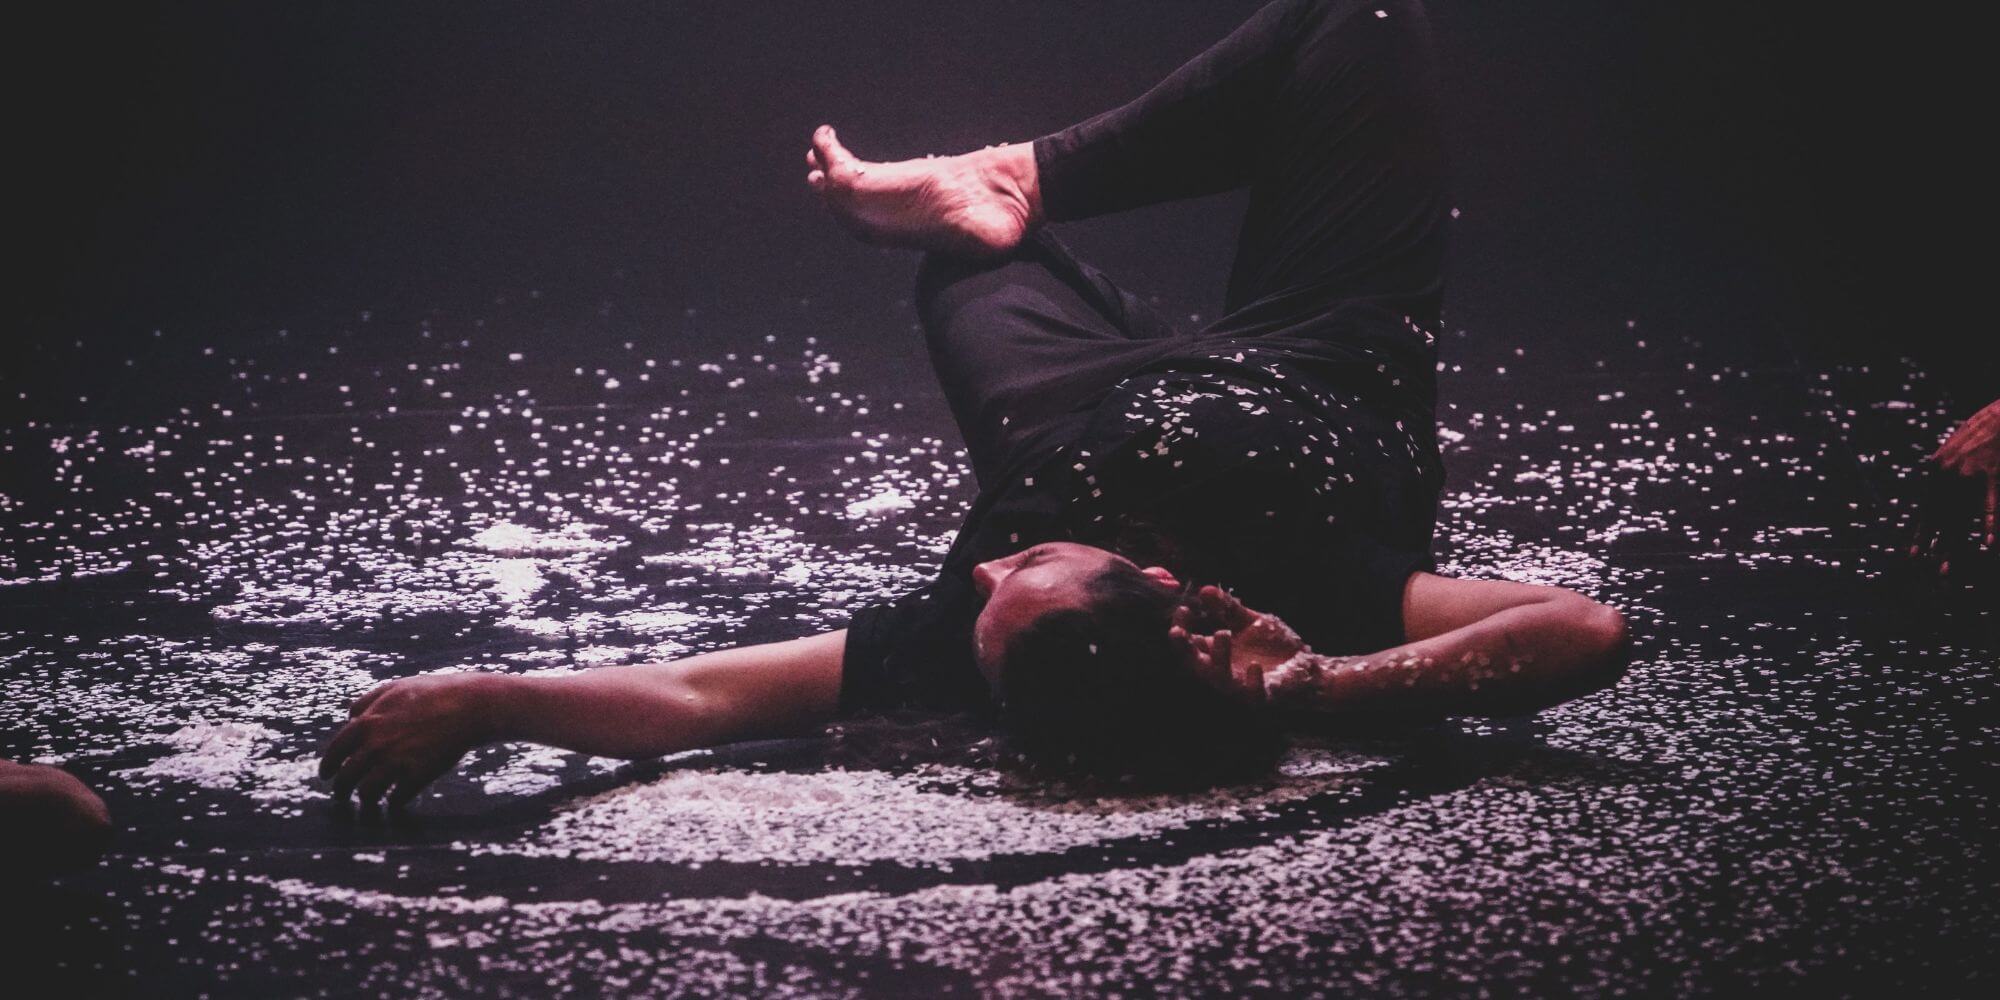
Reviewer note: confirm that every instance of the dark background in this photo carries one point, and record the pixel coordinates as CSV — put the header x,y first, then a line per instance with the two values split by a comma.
x,y
1788,185
1778,171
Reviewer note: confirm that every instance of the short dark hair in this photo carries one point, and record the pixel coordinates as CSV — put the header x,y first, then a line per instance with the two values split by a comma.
x,y
1104,689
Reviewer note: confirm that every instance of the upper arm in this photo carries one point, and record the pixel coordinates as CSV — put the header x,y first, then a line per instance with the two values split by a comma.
x,y
1434,605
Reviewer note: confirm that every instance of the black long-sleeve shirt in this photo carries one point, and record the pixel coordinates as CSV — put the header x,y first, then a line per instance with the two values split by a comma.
x,y
1307,491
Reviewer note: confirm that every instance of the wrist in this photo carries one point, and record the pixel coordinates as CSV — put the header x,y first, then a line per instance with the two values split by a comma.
x,y
1309,681
490,709
1298,681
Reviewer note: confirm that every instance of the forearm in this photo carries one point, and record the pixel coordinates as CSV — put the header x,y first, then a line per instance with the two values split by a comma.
x,y
629,712
632,712
1512,661
650,709
405,733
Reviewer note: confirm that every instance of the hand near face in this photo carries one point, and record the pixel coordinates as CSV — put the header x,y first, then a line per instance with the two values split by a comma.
x,y
1963,492
1230,646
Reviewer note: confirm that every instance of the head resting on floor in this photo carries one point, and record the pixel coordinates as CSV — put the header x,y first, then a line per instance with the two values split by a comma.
x,y
1073,640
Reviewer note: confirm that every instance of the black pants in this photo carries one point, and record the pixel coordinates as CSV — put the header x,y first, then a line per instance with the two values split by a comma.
x,y
1326,111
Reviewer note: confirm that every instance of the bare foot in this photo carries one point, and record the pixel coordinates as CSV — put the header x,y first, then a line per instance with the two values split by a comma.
x,y
978,204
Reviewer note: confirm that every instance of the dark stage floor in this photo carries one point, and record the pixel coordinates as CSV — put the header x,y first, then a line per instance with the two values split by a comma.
x,y
209,551
714,425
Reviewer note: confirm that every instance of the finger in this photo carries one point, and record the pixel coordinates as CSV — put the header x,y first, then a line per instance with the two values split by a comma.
x,y
1195,647
1961,523
1944,514
816,180
337,749
372,786
1992,510
1220,645
375,693
351,772
1214,606
1195,614
1205,669
812,159
409,785
1189,644
1213,671
404,791
1234,613
1250,681
832,155
1923,523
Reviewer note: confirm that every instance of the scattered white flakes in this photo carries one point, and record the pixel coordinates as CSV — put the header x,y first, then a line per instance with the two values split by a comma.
x,y
335,555
212,754
508,539
920,818
232,756
886,502
516,580
527,769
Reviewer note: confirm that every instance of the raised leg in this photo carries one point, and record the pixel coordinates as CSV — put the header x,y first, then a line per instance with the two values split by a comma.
x,y
1024,344
1194,133
1327,111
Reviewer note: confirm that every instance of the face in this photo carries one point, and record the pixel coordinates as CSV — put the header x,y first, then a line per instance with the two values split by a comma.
x,y
1032,582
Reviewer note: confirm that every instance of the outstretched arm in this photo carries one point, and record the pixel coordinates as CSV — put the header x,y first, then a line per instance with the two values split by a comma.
x,y
404,734
1477,647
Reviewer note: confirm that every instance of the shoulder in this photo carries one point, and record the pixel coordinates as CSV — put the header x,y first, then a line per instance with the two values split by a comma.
x,y
913,652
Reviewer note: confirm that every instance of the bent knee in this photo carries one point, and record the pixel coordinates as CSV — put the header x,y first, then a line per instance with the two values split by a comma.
x,y
956,292
936,274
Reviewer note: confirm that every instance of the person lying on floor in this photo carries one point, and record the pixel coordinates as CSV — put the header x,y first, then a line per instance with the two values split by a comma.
x,y
1180,536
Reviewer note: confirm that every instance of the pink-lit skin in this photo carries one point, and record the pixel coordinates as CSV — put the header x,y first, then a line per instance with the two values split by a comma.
x,y
402,735
1479,647
1971,453
977,204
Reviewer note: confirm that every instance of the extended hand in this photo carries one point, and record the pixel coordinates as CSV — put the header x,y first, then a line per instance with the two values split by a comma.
x,y
1230,646
1967,470
402,735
